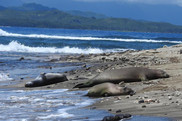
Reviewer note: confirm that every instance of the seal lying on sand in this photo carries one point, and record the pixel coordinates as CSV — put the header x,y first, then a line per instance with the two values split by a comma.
x,y
131,74
109,89
47,79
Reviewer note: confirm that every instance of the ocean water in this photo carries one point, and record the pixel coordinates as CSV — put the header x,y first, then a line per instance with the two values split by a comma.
x,y
35,44
53,105
36,40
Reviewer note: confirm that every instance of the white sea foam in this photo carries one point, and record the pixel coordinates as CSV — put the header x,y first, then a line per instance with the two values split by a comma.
x,y
61,113
4,33
59,90
85,103
14,46
5,77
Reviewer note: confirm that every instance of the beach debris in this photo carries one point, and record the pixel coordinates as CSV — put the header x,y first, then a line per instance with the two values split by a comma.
x,y
148,101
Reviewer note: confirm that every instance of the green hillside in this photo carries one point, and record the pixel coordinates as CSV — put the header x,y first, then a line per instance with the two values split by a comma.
x,y
34,15
86,14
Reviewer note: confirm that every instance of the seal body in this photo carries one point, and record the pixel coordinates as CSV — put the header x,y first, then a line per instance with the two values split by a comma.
x,y
47,79
108,89
132,74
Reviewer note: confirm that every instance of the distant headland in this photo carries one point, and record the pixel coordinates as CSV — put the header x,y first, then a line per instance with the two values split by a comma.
x,y
35,15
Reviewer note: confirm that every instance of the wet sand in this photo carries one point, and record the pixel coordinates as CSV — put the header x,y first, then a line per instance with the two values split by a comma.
x,y
160,97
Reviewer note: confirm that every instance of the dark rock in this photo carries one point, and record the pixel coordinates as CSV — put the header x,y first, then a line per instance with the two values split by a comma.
x,y
141,101
117,117
122,116
103,58
115,58
84,66
144,106
22,58
88,68
118,111
109,109
54,60
180,51
72,72
93,108
103,54
80,57
108,118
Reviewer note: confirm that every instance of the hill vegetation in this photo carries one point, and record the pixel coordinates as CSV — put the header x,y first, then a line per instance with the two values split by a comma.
x,y
86,14
35,15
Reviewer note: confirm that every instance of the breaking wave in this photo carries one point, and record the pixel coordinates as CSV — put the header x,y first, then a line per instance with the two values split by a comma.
x,y
5,77
7,34
15,46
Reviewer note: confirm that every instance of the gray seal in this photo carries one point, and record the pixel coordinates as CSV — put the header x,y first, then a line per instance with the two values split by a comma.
x,y
47,79
131,74
109,89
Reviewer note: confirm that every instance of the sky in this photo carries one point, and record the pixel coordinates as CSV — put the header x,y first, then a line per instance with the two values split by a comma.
x,y
150,10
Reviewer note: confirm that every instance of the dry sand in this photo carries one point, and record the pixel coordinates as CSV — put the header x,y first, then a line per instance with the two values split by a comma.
x,y
161,97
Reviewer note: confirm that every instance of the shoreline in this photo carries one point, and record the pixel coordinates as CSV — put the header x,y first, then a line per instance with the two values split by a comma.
x,y
165,94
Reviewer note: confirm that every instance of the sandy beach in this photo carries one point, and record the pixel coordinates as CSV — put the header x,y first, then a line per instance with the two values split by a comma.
x,y
160,97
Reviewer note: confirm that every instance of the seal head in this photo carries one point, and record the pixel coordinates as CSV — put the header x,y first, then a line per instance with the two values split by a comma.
x,y
29,84
128,91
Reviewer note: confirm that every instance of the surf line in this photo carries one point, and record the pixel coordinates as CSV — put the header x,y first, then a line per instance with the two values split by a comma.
x,y
7,34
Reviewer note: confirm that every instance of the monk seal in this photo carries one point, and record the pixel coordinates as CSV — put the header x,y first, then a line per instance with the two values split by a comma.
x,y
109,89
131,74
47,79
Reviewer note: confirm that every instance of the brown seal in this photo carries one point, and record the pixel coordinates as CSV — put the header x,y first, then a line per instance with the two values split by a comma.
x,y
131,74
47,79
109,89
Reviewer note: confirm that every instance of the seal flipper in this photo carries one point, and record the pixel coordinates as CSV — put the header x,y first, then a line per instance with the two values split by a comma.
x,y
81,85
143,77
43,76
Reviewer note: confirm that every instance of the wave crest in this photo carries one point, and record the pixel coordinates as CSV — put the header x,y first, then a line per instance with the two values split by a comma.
x,y
14,46
4,33
5,77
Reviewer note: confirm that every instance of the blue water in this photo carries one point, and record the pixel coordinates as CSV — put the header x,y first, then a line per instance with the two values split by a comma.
x,y
14,39
47,105
59,104
36,45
